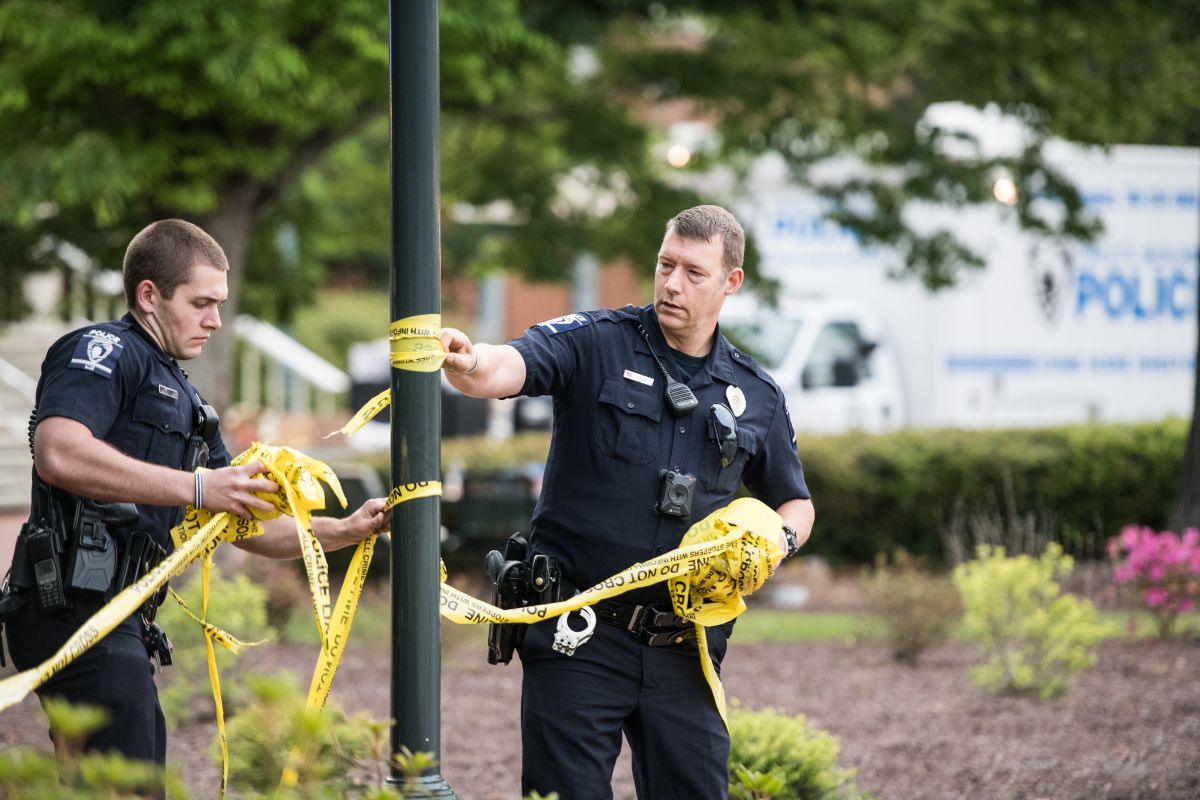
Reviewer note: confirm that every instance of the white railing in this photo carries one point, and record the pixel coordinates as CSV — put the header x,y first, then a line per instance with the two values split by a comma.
x,y
295,379
22,384
277,372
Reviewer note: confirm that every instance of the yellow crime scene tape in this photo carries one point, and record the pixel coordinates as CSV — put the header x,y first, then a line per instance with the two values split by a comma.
x,y
197,537
721,560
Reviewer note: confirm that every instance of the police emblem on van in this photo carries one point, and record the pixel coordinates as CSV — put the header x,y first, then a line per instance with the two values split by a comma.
x,y
1052,271
97,351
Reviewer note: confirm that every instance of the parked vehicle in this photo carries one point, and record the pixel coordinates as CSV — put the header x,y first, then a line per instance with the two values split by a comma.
x,y
1047,333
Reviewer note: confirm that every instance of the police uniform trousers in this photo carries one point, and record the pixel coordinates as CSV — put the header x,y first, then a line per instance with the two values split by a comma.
x,y
574,710
115,674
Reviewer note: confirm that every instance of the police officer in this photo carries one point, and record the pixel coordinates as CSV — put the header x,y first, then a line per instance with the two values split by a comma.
x,y
115,420
657,420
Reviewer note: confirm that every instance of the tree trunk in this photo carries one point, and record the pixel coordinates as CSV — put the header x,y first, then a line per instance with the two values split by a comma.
x,y
1187,504
231,225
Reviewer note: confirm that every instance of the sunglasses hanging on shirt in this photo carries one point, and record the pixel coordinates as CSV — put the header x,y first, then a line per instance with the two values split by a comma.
x,y
680,399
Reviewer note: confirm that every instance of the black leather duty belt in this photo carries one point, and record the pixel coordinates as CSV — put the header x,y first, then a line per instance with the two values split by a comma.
x,y
648,624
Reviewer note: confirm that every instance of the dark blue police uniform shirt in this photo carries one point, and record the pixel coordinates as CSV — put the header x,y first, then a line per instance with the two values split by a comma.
x,y
113,378
613,433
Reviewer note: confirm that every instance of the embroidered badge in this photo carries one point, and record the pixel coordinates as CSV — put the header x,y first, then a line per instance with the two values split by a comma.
x,y
737,400
565,323
97,351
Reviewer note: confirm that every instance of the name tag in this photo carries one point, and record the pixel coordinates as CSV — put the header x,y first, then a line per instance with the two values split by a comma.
x,y
639,377
167,391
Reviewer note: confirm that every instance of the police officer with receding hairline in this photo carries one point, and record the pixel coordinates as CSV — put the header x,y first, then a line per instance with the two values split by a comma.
x,y
657,421
119,435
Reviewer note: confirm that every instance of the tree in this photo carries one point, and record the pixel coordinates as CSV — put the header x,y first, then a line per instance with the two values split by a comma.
x,y
115,114
816,80
231,115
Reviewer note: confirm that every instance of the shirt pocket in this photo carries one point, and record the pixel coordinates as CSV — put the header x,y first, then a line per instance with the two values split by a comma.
x,y
721,479
161,429
627,428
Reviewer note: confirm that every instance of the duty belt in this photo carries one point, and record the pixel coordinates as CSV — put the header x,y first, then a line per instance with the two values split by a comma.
x,y
652,625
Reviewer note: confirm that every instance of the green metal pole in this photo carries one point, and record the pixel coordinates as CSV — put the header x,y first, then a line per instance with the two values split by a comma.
x,y
416,398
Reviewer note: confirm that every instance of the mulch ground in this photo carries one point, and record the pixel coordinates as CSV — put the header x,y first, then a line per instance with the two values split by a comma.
x,y
1128,730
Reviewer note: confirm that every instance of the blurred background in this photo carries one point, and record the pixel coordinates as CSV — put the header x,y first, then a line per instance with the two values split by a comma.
x,y
973,254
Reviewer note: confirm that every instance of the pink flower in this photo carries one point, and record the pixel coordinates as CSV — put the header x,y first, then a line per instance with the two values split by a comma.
x,y
1163,565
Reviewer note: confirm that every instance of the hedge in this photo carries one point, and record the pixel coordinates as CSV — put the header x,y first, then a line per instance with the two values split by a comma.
x,y
874,494
877,493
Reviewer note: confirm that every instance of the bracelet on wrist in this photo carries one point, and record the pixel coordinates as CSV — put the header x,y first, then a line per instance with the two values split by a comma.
x,y
199,501
793,540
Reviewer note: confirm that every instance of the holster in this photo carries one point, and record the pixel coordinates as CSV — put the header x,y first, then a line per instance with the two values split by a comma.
x,y
510,589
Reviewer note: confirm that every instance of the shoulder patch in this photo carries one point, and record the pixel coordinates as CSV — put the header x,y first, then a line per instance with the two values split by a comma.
x,y
97,351
566,322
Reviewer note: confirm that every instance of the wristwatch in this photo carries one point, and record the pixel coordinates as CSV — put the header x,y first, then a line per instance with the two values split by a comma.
x,y
789,533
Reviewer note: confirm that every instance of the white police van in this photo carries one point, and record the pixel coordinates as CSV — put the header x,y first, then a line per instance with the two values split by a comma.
x,y
1048,333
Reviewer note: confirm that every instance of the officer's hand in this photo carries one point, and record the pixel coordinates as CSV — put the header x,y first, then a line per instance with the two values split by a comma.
x,y
460,354
234,489
369,518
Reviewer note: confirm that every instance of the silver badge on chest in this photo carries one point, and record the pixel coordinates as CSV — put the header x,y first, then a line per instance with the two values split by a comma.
x,y
566,640
737,400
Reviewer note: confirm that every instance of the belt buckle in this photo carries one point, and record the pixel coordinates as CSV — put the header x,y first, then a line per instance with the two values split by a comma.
x,y
637,620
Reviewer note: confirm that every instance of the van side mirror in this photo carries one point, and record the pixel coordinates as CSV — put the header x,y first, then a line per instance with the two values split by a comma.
x,y
865,348
845,372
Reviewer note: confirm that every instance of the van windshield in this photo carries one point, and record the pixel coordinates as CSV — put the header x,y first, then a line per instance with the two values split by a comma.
x,y
765,337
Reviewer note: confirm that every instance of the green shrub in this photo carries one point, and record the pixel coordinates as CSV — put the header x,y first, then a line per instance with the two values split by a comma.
x,y
332,754
26,774
917,608
875,494
1033,636
236,605
781,757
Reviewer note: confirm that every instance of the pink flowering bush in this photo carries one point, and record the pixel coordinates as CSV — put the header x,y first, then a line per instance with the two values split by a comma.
x,y
1164,566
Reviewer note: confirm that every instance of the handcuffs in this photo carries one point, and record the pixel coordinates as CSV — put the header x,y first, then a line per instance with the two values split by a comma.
x,y
566,639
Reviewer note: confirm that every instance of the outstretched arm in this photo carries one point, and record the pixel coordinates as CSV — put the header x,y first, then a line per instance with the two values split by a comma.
x,y
482,370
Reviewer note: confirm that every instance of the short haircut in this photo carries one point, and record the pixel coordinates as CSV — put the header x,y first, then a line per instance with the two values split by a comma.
x,y
165,252
702,223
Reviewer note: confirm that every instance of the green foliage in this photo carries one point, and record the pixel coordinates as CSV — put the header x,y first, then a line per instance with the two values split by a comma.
x,y
339,319
330,754
237,605
917,608
1034,636
773,749
753,785
29,775
875,494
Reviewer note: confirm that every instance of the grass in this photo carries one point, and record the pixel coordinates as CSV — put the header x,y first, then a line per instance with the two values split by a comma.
x,y
759,625
768,625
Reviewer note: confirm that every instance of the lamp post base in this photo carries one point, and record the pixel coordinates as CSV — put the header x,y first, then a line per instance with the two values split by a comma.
x,y
426,786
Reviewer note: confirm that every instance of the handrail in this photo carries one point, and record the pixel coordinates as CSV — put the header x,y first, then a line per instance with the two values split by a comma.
x,y
15,379
22,384
280,346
